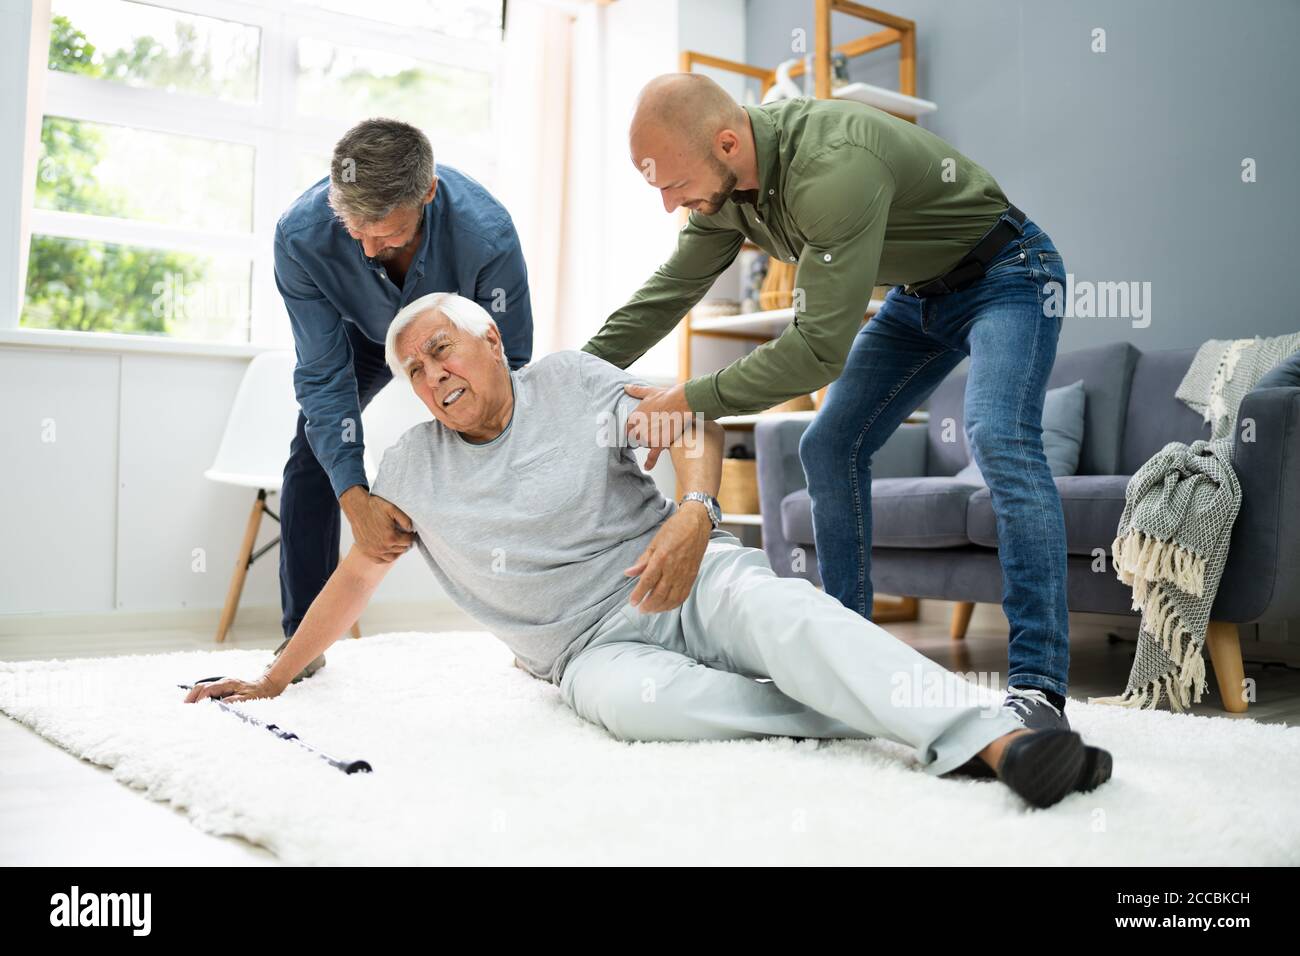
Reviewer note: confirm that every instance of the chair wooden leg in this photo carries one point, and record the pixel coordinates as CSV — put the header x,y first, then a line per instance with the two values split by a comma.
x,y
1229,673
241,567
961,613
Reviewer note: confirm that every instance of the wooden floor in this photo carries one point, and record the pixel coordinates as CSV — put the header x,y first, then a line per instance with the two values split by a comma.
x,y
58,810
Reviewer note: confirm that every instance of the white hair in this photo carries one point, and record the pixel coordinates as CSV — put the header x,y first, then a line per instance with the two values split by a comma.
x,y
466,314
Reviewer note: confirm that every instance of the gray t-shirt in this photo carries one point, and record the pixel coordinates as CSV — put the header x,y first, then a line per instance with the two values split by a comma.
x,y
530,533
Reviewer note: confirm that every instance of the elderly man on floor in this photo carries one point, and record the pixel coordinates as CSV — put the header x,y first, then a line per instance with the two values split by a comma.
x,y
535,516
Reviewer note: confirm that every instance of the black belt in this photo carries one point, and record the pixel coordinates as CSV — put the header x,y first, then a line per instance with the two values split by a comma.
x,y
975,263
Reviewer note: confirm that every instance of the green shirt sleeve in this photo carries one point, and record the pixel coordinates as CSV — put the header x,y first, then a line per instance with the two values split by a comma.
x,y
705,247
839,200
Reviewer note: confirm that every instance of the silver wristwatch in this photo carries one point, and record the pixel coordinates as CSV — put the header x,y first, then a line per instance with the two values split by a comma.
x,y
710,505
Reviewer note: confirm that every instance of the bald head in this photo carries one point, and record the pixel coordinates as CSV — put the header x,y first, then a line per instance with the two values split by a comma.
x,y
691,141
688,106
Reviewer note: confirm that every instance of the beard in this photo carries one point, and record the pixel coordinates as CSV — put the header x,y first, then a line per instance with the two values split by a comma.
x,y
392,252
729,180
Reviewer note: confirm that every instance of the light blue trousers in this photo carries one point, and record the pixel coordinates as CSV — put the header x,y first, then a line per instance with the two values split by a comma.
x,y
689,673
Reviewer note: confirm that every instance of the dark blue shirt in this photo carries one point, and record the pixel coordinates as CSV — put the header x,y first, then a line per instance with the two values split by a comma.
x,y
468,246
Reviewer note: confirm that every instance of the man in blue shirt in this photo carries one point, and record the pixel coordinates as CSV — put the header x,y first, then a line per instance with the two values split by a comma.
x,y
384,228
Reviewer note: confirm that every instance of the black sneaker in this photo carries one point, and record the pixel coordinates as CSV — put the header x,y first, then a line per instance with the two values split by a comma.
x,y
1043,766
1097,766
1030,706
307,671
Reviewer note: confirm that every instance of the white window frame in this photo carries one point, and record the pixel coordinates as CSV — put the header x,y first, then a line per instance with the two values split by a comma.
x,y
270,124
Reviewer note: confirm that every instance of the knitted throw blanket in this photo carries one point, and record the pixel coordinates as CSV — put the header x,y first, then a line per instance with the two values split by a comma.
x,y
1171,547
1224,371
1172,542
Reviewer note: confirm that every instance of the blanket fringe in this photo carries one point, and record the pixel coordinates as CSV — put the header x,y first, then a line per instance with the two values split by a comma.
x,y
1141,560
1216,408
1161,623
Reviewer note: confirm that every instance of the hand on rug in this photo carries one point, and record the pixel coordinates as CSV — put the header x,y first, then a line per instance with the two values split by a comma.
x,y
233,690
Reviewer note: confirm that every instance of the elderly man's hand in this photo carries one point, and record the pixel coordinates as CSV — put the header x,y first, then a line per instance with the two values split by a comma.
x,y
670,562
382,530
232,690
659,419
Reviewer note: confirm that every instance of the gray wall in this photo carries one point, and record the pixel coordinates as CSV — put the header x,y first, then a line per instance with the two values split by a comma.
x,y
1130,159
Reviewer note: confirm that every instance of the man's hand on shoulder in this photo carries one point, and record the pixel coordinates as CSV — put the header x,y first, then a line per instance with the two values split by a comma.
x,y
660,418
382,531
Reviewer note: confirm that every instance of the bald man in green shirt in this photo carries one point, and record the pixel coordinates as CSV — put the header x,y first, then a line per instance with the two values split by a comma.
x,y
857,197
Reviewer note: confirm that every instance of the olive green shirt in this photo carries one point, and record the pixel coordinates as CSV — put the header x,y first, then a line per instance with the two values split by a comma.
x,y
857,198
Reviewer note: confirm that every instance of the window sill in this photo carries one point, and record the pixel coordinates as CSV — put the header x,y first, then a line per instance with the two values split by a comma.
x,y
117,342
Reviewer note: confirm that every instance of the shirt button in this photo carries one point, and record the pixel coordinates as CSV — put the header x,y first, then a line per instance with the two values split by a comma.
x,y
771,192
793,259
827,257
758,218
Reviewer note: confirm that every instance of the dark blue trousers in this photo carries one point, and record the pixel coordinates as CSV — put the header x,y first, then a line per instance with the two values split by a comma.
x,y
309,512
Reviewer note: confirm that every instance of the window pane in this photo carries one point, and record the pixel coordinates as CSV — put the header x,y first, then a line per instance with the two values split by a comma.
x,y
470,19
92,286
142,45
104,170
311,169
352,84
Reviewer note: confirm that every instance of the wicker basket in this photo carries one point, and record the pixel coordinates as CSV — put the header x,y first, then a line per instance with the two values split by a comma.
x,y
738,494
777,291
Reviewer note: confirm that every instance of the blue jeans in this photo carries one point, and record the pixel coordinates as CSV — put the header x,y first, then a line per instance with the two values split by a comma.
x,y
309,513
896,361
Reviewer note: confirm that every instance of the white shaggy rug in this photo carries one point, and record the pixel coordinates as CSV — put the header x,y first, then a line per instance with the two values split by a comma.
x,y
476,762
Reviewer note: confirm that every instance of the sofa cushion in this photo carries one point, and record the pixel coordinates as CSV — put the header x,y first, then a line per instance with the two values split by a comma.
x,y
1106,370
905,513
1285,374
1062,433
1155,417
1092,505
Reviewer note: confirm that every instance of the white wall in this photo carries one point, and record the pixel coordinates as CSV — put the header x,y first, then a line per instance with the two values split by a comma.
x,y
618,52
105,501
638,41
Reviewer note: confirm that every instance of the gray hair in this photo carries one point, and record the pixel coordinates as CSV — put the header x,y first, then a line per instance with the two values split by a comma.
x,y
378,166
466,314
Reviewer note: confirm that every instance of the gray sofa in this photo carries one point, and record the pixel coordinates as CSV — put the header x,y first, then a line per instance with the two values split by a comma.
x,y
934,536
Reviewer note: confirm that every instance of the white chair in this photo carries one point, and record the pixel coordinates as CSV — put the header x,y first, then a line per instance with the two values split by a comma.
x,y
253,452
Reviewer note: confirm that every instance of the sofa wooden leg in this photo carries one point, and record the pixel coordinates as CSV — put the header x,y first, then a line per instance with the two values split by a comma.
x,y
961,613
1229,673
